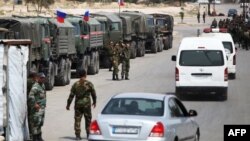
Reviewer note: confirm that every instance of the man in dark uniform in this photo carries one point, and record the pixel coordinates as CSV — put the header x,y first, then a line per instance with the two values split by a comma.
x,y
82,90
37,104
125,60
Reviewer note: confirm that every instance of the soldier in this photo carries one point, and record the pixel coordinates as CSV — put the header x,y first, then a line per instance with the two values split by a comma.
x,y
116,61
37,104
125,59
214,23
110,48
198,16
82,90
220,23
204,17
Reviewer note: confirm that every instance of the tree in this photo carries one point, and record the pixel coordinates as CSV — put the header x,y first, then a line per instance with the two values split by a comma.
x,y
39,4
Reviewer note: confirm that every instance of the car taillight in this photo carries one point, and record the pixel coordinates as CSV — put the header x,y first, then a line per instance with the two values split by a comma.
x,y
157,130
234,60
176,74
94,128
225,74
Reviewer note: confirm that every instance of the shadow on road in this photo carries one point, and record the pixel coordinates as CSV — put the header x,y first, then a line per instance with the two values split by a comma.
x,y
71,138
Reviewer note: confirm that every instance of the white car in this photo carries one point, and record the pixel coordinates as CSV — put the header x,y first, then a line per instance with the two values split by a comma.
x,y
201,67
230,49
144,117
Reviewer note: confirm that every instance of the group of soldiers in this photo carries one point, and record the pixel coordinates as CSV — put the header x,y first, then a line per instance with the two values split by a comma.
x,y
36,96
238,27
119,54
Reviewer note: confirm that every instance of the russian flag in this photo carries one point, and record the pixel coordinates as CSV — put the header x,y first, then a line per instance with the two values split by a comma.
x,y
60,16
86,16
121,2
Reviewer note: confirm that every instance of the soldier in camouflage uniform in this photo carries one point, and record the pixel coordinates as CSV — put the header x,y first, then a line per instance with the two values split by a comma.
x,y
116,60
82,90
37,104
125,60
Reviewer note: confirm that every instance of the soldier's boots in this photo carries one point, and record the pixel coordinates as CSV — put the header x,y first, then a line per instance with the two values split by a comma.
x,y
116,77
78,137
126,78
122,77
113,77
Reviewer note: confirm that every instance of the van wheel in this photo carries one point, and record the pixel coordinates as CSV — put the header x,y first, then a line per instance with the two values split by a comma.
x,y
223,95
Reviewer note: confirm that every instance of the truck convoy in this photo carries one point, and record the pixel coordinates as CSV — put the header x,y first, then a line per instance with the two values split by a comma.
x,y
57,48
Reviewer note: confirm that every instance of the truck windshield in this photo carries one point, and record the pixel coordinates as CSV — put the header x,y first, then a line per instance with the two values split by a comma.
x,y
150,21
201,58
228,45
115,27
160,22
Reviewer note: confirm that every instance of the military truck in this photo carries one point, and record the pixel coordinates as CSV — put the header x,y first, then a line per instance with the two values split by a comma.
x,y
88,43
143,32
164,28
111,26
51,49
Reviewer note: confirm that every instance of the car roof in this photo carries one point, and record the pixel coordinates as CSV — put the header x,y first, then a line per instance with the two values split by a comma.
x,y
221,36
192,43
155,96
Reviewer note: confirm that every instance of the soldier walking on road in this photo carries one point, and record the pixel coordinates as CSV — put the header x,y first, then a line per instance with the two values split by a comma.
x,y
116,61
204,17
125,59
37,104
82,90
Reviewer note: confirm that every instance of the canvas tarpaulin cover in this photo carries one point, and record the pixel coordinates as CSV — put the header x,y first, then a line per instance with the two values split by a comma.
x,y
17,98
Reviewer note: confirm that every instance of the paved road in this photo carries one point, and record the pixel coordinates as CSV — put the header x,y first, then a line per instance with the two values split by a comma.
x,y
155,73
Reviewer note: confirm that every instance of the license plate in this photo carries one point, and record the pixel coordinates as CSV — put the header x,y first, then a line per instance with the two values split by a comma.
x,y
125,130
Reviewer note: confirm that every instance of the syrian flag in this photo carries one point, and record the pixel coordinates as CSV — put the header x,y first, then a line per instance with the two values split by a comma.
x,y
60,16
121,2
86,16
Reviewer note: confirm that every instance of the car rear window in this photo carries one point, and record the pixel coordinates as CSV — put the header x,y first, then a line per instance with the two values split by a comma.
x,y
228,45
201,58
134,106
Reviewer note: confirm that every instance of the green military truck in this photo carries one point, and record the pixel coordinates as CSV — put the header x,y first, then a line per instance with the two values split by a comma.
x,y
51,49
88,43
111,27
164,28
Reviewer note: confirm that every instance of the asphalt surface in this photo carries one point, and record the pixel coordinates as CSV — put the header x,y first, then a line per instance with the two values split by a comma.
x,y
155,73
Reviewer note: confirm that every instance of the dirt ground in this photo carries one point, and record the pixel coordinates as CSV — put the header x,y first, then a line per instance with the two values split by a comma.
x,y
6,9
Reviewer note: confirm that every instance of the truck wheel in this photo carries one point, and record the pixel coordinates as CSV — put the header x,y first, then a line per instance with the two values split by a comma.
x,y
170,41
139,49
165,43
160,45
82,64
154,46
133,50
97,62
92,65
50,78
68,63
61,78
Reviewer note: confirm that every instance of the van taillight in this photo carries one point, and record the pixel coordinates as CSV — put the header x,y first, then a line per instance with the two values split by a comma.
x,y
157,130
234,60
94,128
225,74
176,74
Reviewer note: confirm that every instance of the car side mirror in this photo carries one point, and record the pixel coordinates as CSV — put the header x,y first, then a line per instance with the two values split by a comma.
x,y
173,58
192,113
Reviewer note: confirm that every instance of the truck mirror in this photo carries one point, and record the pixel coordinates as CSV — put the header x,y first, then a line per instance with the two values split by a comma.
x,y
173,58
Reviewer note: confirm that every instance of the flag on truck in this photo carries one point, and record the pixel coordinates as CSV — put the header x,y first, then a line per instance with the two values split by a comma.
x,y
121,2
60,16
86,16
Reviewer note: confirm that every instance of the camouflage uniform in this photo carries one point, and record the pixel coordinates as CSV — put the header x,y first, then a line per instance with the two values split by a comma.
x,y
37,95
30,83
110,50
116,60
82,90
125,59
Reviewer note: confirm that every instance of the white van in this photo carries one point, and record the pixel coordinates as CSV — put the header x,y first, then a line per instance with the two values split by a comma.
x,y
201,66
230,49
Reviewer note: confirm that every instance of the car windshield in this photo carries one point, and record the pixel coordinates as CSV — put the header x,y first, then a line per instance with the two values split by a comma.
x,y
134,106
201,58
228,45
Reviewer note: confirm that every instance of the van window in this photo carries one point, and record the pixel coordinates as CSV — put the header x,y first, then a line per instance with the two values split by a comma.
x,y
228,45
201,58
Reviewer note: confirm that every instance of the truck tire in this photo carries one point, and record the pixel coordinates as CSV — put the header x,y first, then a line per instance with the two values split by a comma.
x,y
82,64
133,50
97,62
170,41
160,45
92,65
68,62
50,78
154,46
165,43
61,78
139,49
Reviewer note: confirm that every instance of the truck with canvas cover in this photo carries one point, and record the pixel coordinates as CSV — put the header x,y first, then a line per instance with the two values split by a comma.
x,y
88,43
164,28
111,26
143,32
14,55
